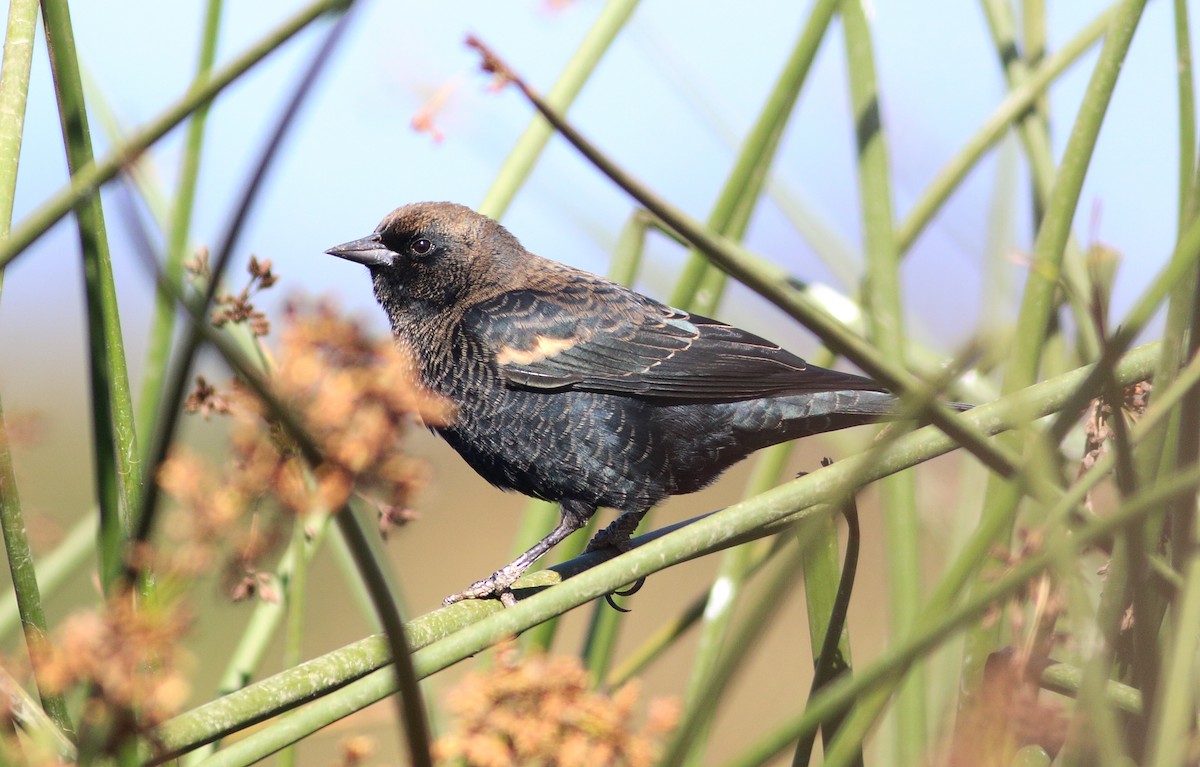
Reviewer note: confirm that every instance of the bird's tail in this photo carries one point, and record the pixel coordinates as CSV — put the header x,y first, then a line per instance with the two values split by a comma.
x,y
808,414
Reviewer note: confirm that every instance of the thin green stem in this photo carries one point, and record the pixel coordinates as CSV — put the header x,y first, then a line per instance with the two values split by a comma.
x,y
520,161
1038,300
731,214
1015,105
881,292
88,179
769,281
929,635
1034,131
705,697
724,596
162,327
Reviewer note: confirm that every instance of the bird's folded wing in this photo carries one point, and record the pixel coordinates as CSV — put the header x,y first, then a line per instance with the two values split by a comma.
x,y
597,338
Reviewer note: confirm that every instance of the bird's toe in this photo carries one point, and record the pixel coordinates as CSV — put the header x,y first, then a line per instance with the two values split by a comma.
x,y
495,585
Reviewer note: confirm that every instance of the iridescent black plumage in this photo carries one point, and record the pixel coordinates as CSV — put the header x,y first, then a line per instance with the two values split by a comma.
x,y
574,389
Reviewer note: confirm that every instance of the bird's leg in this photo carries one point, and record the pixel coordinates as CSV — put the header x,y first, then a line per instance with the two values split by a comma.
x,y
616,535
574,516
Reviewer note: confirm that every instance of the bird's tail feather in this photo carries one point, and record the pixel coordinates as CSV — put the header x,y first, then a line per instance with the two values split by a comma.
x,y
806,415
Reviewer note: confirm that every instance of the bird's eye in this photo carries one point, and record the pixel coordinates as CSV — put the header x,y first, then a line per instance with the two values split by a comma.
x,y
421,246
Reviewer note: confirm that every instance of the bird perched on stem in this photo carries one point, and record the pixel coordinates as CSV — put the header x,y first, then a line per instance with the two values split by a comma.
x,y
571,388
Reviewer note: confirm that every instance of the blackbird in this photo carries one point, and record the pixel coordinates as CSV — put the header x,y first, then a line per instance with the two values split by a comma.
x,y
571,388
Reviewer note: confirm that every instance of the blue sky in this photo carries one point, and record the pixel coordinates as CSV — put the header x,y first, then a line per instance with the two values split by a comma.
x,y
353,157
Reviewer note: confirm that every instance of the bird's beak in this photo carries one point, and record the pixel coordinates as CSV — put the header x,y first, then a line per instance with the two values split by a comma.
x,y
369,251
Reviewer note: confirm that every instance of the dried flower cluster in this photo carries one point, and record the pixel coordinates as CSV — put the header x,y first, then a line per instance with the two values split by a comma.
x,y
1005,714
540,710
234,307
129,657
212,522
1007,710
1098,431
354,396
239,308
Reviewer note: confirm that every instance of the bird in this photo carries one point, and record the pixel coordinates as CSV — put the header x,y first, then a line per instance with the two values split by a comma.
x,y
574,389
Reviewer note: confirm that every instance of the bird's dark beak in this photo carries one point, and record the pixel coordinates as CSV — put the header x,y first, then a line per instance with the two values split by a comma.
x,y
369,251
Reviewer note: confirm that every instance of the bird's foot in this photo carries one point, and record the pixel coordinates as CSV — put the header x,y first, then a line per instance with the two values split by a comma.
x,y
615,536
498,584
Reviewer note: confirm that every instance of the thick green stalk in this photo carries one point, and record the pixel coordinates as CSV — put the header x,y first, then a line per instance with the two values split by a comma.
x,y
885,323
118,472
87,180
14,88
883,673
162,327
1038,300
466,628
519,163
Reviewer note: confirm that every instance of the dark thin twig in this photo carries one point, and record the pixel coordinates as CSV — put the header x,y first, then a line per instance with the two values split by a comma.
x,y
177,381
832,333
411,710
830,663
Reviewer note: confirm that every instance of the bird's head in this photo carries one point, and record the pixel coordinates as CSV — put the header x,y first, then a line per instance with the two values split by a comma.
x,y
432,256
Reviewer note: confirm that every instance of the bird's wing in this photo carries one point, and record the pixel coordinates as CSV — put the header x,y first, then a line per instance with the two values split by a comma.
x,y
599,337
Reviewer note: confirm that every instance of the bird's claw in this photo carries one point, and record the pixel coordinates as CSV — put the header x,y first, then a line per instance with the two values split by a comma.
x,y
495,585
